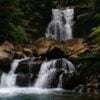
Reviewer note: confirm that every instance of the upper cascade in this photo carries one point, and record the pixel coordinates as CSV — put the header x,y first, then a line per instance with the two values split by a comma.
x,y
60,27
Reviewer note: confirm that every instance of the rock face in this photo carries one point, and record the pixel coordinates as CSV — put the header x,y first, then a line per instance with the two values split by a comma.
x,y
24,80
29,66
27,72
52,49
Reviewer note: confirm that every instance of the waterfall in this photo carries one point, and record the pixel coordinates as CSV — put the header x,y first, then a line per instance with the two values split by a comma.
x,y
60,28
46,74
50,74
9,80
49,70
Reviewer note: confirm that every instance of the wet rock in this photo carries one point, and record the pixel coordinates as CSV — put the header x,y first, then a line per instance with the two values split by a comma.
x,y
0,75
24,80
29,66
70,80
5,65
88,88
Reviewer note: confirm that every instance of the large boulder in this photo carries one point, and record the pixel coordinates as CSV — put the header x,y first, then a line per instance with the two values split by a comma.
x,y
54,52
6,50
27,72
29,66
25,80
70,80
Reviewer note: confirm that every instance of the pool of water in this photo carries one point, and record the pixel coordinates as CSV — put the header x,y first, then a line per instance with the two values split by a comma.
x,y
43,94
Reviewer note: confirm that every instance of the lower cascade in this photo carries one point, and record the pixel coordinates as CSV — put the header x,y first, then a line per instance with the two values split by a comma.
x,y
9,80
50,74
50,70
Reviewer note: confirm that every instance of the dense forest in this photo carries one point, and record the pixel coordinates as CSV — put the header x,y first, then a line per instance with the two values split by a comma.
x,y
26,20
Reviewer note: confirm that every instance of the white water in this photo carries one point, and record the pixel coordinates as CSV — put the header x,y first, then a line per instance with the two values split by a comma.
x,y
9,80
13,91
60,28
68,66
46,74
60,81
68,16
48,71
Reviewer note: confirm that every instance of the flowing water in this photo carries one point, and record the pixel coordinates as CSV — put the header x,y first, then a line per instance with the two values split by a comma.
x,y
39,91
9,80
43,94
49,70
60,27
46,74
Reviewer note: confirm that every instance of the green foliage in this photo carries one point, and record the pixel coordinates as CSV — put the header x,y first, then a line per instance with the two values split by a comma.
x,y
9,13
89,68
95,35
96,31
18,33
